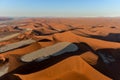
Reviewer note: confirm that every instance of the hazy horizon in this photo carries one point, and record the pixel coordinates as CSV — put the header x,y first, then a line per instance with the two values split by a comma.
x,y
59,8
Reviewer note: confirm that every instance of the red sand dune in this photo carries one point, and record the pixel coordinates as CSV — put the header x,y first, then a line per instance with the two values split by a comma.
x,y
48,31
96,44
73,68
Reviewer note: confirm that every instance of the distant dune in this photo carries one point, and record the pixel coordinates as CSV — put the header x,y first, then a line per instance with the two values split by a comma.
x,y
5,18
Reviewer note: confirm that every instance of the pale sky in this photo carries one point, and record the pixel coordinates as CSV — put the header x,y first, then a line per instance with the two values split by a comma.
x,y
60,8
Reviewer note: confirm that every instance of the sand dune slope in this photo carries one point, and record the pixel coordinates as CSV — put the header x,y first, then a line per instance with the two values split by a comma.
x,y
73,68
94,43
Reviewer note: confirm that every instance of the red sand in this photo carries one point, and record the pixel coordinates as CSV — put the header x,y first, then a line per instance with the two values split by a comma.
x,y
73,68
55,30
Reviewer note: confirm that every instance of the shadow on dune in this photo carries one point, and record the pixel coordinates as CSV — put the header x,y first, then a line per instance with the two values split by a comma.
x,y
11,77
44,40
41,33
111,68
115,37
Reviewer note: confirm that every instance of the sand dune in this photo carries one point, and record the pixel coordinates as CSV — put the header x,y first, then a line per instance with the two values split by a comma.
x,y
68,69
101,34
14,55
9,37
70,37
16,45
55,50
